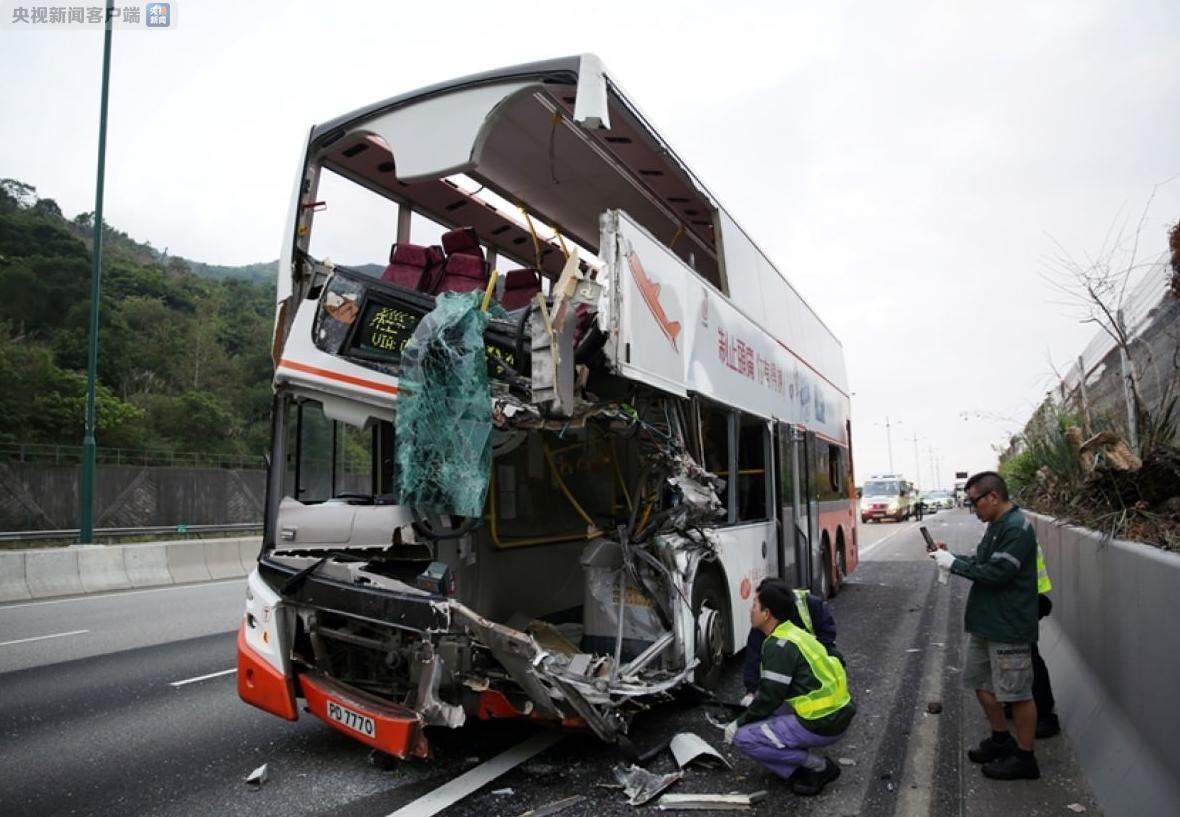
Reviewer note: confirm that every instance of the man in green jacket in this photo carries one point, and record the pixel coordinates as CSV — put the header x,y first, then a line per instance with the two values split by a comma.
x,y
802,701
1001,622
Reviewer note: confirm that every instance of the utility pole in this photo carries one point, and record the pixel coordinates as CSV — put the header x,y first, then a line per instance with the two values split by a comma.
x,y
86,521
917,463
889,443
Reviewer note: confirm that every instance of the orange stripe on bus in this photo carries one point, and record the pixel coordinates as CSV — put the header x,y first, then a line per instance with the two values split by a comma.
x,y
343,378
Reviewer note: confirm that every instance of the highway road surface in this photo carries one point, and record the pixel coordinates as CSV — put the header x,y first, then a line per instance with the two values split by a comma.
x,y
125,704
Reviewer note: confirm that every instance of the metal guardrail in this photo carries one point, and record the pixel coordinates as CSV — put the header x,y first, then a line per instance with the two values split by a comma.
x,y
69,454
116,533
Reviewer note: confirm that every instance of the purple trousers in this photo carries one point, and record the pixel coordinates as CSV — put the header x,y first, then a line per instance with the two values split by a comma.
x,y
779,743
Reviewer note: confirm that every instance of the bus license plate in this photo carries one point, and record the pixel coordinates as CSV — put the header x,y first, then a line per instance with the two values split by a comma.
x,y
361,724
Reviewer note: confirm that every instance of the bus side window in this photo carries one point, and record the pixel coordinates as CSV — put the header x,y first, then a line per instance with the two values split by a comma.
x,y
835,467
716,447
751,457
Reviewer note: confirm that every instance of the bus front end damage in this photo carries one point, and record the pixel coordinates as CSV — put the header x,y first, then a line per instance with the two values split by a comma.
x,y
388,613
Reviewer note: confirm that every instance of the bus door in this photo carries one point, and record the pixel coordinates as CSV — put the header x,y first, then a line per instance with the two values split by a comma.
x,y
797,512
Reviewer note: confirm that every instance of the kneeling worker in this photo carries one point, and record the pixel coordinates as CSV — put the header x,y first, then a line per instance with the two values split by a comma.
x,y
814,616
802,702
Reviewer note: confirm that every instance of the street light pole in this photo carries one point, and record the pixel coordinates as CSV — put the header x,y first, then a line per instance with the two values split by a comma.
x,y
917,463
86,526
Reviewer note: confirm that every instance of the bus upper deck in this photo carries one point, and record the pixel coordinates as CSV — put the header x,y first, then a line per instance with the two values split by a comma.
x,y
548,493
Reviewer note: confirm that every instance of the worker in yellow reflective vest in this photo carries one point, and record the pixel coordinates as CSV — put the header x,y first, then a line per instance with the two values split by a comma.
x,y
802,701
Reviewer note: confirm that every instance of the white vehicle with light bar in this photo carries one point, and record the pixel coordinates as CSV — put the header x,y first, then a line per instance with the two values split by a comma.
x,y
886,496
548,493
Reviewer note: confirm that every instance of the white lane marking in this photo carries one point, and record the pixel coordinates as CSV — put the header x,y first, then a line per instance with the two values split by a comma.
x,y
41,637
202,677
866,551
454,790
120,593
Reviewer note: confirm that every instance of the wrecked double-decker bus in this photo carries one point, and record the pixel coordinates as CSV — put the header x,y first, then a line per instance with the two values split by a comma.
x,y
534,465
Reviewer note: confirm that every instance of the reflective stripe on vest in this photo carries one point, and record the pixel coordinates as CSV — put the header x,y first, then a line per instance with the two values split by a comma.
x,y
804,613
1043,583
832,694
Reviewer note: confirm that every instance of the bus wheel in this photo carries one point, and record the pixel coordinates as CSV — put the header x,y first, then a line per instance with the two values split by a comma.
x,y
841,565
712,624
826,590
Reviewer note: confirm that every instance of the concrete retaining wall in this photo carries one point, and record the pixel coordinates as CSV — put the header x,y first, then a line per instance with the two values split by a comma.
x,y
1112,645
35,574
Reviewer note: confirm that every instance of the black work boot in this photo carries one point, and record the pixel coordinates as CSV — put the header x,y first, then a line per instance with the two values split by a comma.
x,y
1048,726
990,749
1016,766
808,783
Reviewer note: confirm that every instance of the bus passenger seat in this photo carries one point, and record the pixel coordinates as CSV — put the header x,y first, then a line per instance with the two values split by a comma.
x,y
520,285
462,273
464,268
462,241
407,263
432,274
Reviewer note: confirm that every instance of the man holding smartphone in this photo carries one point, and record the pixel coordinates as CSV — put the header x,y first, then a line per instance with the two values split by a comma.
x,y
1001,623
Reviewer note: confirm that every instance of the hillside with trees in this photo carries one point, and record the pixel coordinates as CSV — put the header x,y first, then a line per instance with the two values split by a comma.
x,y
183,358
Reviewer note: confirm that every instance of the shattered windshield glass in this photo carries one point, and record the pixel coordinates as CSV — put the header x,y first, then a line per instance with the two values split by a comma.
x,y
444,410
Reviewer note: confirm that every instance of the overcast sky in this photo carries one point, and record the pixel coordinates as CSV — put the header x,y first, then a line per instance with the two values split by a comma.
x,y
908,165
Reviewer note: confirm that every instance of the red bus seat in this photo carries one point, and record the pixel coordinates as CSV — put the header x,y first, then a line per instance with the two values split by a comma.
x,y
520,285
432,274
407,263
462,273
462,241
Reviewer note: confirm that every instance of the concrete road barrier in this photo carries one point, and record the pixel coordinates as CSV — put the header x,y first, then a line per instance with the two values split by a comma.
x,y
248,553
186,562
35,574
1112,646
101,568
52,572
13,586
223,558
147,565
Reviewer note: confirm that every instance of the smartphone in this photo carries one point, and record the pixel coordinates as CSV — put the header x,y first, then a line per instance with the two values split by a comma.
x,y
931,545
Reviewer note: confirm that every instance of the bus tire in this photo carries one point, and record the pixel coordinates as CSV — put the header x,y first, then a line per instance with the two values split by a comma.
x,y
825,573
842,561
711,608
840,564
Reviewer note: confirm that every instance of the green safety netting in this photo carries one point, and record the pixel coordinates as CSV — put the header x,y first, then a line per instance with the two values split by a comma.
x,y
444,418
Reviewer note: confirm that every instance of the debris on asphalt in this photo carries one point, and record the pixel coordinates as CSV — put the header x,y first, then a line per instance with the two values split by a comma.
x,y
650,755
554,807
934,707
846,761
640,785
504,791
1076,807
687,747
720,802
914,649
257,777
